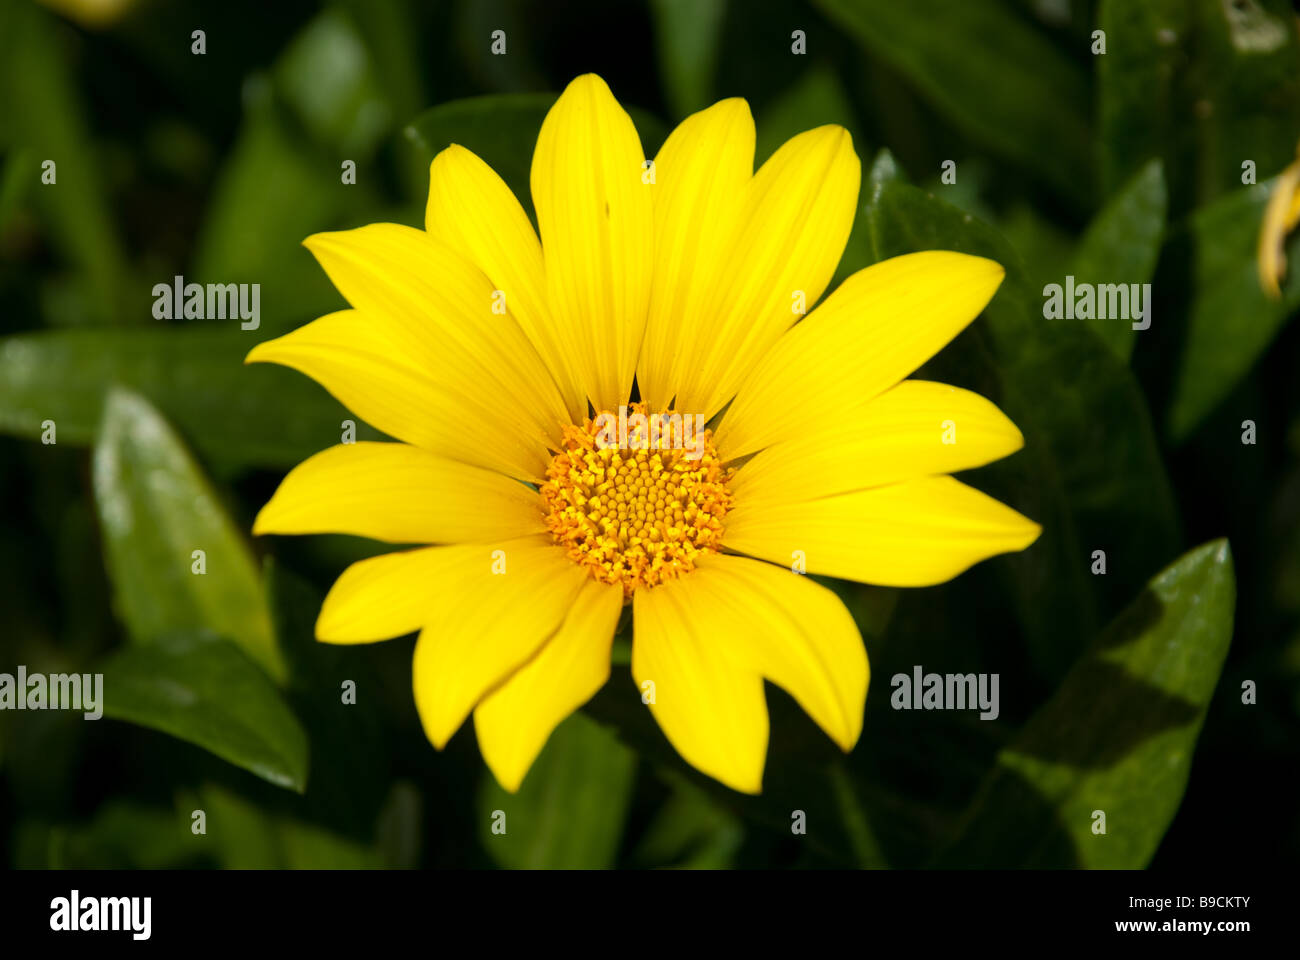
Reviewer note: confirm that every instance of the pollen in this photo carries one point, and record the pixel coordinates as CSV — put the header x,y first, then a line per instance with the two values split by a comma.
x,y
636,498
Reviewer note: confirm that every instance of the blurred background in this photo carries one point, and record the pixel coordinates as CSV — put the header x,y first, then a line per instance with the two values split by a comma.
x,y
1163,691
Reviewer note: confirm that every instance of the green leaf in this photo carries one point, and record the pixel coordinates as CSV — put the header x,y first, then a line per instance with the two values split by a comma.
x,y
272,193
1090,472
502,130
393,41
687,34
236,415
123,835
1044,246
690,832
156,510
1231,321
996,77
20,172
200,688
1202,84
350,789
400,828
569,812
44,113
1122,245
244,836
1138,83
327,76
867,852
1117,737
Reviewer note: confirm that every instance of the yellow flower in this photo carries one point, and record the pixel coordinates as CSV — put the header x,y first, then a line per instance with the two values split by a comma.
x,y
479,348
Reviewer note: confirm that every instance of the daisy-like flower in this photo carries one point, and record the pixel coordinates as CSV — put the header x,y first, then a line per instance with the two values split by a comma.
x,y
547,499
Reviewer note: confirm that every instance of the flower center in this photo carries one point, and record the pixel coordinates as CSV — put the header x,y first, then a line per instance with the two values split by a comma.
x,y
635,498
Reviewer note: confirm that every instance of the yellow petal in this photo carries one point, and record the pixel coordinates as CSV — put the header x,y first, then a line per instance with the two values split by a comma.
x,y
437,310
472,210
915,429
711,708
880,325
1280,218
389,596
595,217
486,625
787,241
350,355
514,721
701,176
401,494
910,534
790,630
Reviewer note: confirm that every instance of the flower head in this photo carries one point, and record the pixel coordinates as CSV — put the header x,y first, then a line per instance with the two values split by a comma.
x,y
636,512
549,397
